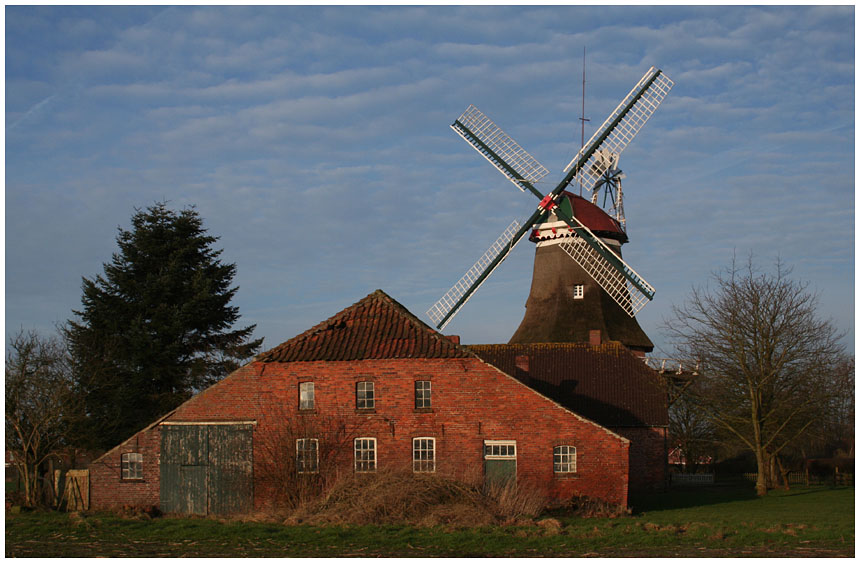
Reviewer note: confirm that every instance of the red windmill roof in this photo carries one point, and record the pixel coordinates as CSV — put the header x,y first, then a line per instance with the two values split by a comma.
x,y
589,215
592,216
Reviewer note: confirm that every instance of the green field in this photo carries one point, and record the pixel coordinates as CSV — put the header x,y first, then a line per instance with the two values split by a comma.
x,y
718,521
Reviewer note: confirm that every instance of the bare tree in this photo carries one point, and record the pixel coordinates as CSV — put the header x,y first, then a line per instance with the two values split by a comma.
x,y
691,430
764,355
39,404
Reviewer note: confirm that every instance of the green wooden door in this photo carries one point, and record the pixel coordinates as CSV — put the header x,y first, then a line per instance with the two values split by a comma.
x,y
184,469
230,469
500,463
193,487
206,468
500,472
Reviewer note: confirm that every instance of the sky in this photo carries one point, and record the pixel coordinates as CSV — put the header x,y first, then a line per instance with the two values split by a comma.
x,y
315,143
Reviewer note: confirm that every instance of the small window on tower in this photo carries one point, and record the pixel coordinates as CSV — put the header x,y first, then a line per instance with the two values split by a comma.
x,y
578,291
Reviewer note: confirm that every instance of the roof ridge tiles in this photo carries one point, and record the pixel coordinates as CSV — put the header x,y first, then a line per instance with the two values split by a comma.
x,y
374,327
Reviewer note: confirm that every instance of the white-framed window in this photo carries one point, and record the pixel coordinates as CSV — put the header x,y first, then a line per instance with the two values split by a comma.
x,y
578,291
500,449
306,395
365,455
132,466
307,455
364,396
564,459
423,455
422,394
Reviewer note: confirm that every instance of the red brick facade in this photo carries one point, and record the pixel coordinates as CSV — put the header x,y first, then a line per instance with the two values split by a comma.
x,y
471,402
107,487
607,384
377,340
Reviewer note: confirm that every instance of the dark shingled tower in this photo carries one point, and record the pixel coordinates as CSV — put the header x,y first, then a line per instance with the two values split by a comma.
x,y
559,311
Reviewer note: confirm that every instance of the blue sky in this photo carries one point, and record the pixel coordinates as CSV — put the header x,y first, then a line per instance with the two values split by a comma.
x,y
314,142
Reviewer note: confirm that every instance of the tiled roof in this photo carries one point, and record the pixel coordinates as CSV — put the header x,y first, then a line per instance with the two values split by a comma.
x,y
376,327
605,383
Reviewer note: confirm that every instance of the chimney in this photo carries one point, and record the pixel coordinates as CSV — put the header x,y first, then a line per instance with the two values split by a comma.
x,y
594,337
522,363
455,338
521,368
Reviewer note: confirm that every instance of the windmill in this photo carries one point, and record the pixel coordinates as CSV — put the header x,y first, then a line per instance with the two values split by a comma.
x,y
595,167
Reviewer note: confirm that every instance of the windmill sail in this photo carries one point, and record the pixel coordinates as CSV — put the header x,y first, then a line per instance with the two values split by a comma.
x,y
444,310
627,288
621,125
509,158
618,280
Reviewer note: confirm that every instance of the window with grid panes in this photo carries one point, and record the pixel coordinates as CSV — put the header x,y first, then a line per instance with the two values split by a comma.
x,y
564,459
422,394
306,395
424,455
578,291
499,449
365,455
132,466
364,397
307,455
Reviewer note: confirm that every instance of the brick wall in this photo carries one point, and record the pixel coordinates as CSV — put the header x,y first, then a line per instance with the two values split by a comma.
x,y
471,402
107,487
648,458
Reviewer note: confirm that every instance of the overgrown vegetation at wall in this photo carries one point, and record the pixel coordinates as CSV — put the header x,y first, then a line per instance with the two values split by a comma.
x,y
403,497
319,485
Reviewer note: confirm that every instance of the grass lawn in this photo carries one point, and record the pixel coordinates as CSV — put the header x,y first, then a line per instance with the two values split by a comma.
x,y
717,521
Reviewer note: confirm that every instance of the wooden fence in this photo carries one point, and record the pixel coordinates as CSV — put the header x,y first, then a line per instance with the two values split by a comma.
x,y
692,478
800,478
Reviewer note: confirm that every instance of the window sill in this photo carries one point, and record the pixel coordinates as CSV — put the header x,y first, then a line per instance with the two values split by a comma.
x,y
365,411
422,410
307,411
565,476
125,480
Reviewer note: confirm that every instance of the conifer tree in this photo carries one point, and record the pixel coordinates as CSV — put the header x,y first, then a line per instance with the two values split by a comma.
x,y
156,327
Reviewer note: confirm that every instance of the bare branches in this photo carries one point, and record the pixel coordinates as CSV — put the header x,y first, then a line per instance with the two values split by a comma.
x,y
40,405
765,355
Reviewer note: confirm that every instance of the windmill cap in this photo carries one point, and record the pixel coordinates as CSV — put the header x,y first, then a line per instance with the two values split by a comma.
x,y
592,217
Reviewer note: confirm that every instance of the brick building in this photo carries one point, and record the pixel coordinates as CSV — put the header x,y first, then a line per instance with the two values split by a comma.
x,y
394,392
604,382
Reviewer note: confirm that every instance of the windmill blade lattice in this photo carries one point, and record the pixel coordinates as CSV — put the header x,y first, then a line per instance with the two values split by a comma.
x,y
622,124
440,312
617,282
498,148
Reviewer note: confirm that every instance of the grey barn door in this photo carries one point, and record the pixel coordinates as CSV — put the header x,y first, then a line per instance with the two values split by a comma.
x,y
207,468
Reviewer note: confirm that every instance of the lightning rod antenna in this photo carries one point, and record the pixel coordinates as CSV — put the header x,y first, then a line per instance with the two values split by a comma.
x,y
582,117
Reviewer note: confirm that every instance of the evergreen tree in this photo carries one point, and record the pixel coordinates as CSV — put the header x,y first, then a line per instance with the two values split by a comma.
x,y
156,327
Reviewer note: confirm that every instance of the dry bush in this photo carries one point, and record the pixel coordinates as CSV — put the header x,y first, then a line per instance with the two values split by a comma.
x,y
517,500
550,526
132,512
587,507
398,496
289,489
395,496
